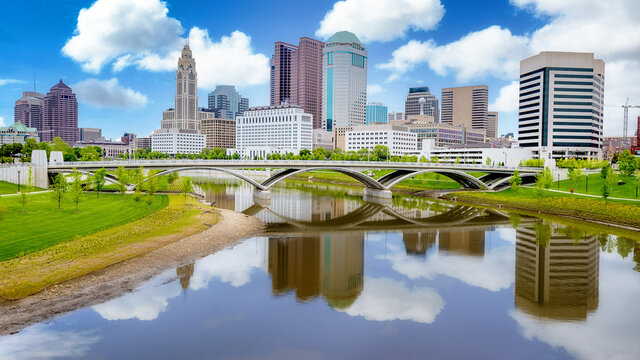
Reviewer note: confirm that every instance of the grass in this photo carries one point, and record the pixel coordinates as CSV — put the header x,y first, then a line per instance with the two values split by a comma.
x,y
614,212
30,274
43,225
628,190
9,188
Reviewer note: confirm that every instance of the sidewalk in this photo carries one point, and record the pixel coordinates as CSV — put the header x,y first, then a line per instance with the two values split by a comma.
x,y
34,192
588,195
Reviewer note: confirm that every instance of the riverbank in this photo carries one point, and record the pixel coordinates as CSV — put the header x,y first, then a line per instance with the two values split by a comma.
x,y
124,276
625,215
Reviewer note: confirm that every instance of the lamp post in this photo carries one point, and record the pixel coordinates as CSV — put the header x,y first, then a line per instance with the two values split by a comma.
x,y
18,180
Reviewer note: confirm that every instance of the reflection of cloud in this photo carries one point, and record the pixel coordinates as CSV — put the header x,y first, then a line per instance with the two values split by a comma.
x,y
282,353
493,272
144,304
38,342
385,299
232,265
611,332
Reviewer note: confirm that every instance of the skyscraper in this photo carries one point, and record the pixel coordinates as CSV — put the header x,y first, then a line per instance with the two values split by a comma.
x,y
412,103
492,124
466,106
377,113
29,110
185,113
227,103
296,76
344,81
60,115
561,104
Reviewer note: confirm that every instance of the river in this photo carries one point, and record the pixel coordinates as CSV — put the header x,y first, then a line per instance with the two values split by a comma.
x,y
334,277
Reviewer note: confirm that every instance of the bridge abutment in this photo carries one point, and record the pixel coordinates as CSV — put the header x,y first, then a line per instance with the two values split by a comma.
x,y
382,197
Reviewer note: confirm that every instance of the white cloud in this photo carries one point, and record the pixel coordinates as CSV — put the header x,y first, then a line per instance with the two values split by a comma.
x,y
110,32
507,100
1,121
380,20
11,81
144,304
493,51
108,93
110,28
39,342
384,299
373,89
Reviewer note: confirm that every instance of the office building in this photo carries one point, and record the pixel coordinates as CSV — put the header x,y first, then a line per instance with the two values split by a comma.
x,y
492,124
89,134
110,149
177,141
445,135
397,139
17,133
466,106
60,115
220,133
339,135
395,116
344,82
296,76
377,113
29,110
562,104
143,143
322,139
266,130
478,154
226,102
429,106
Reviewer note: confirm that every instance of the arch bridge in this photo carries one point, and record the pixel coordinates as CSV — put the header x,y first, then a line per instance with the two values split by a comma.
x,y
496,176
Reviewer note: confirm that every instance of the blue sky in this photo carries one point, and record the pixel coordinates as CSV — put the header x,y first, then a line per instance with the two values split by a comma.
x,y
119,56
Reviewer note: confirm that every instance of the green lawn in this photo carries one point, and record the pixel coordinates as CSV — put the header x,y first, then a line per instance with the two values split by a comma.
x,y
9,188
43,225
628,190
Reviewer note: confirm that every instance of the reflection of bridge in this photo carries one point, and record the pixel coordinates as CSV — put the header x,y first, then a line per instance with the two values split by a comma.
x,y
361,219
496,176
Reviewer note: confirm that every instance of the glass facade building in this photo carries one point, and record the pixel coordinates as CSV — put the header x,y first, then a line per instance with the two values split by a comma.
x,y
377,113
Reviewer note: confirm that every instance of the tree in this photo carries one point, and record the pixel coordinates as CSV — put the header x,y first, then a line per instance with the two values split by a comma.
x,y
123,179
515,181
24,193
75,190
514,219
186,186
152,182
543,233
544,179
89,153
381,152
457,161
59,188
488,161
98,180
605,189
627,163
574,176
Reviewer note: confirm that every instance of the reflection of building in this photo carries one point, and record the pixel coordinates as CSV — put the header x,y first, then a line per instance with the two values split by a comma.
x,y
417,243
185,273
330,265
559,281
464,241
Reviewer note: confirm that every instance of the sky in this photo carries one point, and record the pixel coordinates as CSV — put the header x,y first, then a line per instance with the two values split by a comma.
x,y
120,56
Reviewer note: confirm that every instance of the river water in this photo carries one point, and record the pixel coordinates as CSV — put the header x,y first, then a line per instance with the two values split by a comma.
x,y
334,277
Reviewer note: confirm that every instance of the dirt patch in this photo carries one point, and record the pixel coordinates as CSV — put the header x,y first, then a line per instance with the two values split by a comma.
x,y
118,279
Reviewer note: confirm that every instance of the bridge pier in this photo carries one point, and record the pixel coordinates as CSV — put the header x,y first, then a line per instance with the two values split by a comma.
x,y
376,196
262,197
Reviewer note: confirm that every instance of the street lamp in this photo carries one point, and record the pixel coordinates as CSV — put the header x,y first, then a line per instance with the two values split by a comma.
x,y
18,180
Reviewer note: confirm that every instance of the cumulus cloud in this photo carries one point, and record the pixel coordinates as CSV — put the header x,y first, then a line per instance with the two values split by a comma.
x,y
108,93
1,121
374,89
507,100
499,50
380,20
111,33
384,299
11,81
40,342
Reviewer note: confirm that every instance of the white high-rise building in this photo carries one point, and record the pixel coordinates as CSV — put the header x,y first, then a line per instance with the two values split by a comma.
x,y
561,104
279,129
344,82
396,138
181,141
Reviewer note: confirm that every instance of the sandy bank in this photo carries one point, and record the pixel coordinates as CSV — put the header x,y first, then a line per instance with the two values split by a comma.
x,y
123,277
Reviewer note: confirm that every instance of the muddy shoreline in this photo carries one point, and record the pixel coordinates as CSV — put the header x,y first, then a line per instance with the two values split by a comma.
x,y
126,276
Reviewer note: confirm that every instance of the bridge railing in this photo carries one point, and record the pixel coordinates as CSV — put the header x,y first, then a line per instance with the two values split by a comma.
x,y
286,163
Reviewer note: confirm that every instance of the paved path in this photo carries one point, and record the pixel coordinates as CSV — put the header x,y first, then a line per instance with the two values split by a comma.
x,y
588,195
34,192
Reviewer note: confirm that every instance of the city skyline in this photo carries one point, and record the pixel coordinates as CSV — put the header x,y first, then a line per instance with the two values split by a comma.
x,y
126,91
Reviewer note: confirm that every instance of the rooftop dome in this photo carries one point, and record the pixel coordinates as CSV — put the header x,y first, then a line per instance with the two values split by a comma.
x,y
344,37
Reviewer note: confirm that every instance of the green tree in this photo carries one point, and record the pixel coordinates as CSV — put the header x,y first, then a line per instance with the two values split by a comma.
x,y
151,184
627,163
24,192
574,176
488,161
605,189
515,181
75,190
186,187
381,152
544,179
457,161
514,219
122,177
59,188
89,153
98,180
543,233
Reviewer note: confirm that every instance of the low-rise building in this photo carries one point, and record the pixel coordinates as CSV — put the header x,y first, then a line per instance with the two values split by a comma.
x,y
322,139
174,141
397,138
110,149
475,154
143,143
445,134
220,133
17,133
339,134
377,113
616,144
89,134
266,130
